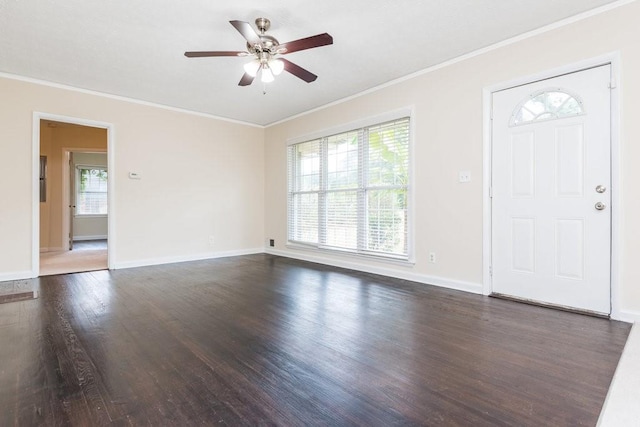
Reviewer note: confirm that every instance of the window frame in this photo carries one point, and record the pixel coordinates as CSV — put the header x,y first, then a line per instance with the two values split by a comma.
x,y
76,190
409,258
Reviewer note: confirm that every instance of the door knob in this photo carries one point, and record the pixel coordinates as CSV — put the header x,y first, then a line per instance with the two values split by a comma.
x,y
601,189
600,206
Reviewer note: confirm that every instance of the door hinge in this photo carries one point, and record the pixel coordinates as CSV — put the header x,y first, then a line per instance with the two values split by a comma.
x,y
490,192
490,270
612,83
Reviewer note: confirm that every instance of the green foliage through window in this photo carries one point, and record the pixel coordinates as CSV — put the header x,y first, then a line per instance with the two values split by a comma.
x,y
91,194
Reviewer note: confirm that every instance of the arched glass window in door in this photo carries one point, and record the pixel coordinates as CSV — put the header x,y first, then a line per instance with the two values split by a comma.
x,y
547,104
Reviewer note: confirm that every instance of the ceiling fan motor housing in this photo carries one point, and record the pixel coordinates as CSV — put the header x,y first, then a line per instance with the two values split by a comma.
x,y
267,43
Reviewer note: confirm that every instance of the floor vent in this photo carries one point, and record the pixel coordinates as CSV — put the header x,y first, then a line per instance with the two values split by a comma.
x,y
18,296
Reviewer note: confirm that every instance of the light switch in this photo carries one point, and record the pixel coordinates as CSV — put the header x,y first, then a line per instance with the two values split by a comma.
x,y
135,175
464,176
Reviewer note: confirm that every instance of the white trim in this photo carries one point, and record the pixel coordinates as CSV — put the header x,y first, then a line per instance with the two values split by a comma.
x,y
616,190
487,117
15,275
35,217
58,249
612,59
35,196
628,316
186,258
442,282
123,98
411,199
97,237
495,46
389,116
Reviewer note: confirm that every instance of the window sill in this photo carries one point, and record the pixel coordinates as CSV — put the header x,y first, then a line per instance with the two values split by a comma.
x,y
91,216
353,255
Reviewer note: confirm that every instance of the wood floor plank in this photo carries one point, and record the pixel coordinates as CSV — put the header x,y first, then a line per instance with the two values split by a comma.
x,y
265,340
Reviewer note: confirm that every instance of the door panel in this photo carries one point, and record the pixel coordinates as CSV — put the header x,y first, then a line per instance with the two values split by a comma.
x,y
550,243
523,232
570,161
522,165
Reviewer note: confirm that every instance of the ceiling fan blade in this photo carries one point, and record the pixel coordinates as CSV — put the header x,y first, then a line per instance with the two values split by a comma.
x,y
306,43
298,71
247,32
214,53
246,80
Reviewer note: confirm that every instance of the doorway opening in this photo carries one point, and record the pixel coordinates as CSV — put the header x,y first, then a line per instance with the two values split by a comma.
x,y
74,214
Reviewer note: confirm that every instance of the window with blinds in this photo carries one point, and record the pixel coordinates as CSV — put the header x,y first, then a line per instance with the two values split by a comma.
x,y
91,190
349,191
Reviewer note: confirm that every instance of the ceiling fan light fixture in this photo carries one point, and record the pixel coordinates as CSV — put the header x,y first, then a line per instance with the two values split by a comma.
x,y
267,75
252,67
276,66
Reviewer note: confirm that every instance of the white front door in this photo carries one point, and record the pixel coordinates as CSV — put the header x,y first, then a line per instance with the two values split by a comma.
x,y
551,195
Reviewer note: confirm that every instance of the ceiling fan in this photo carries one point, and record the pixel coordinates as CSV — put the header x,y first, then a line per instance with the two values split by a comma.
x,y
266,52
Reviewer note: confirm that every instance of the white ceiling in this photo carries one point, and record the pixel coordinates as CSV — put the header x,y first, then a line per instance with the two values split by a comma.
x,y
134,48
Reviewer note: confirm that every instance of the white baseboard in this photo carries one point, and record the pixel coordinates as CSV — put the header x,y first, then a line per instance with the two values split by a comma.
x,y
185,258
58,249
16,275
100,237
442,282
629,316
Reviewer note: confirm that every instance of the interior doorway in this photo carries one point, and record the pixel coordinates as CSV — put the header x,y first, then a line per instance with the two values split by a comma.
x,y
73,216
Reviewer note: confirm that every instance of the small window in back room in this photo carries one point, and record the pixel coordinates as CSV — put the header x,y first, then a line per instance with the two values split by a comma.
x,y
91,190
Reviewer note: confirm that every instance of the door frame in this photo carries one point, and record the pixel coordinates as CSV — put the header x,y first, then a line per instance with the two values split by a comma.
x,y
111,208
67,198
612,59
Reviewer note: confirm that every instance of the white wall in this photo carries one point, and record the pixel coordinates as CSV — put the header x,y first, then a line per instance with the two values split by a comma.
x,y
448,122
90,227
201,177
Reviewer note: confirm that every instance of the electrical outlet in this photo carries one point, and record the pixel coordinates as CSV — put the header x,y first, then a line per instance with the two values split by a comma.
x,y
212,241
272,242
432,257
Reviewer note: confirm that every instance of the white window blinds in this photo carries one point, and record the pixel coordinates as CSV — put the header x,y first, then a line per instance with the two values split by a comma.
x,y
349,191
91,186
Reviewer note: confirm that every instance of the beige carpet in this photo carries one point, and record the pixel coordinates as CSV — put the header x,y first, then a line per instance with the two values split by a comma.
x,y
72,261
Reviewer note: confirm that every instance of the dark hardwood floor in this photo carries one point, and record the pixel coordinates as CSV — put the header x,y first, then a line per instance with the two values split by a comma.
x,y
264,340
